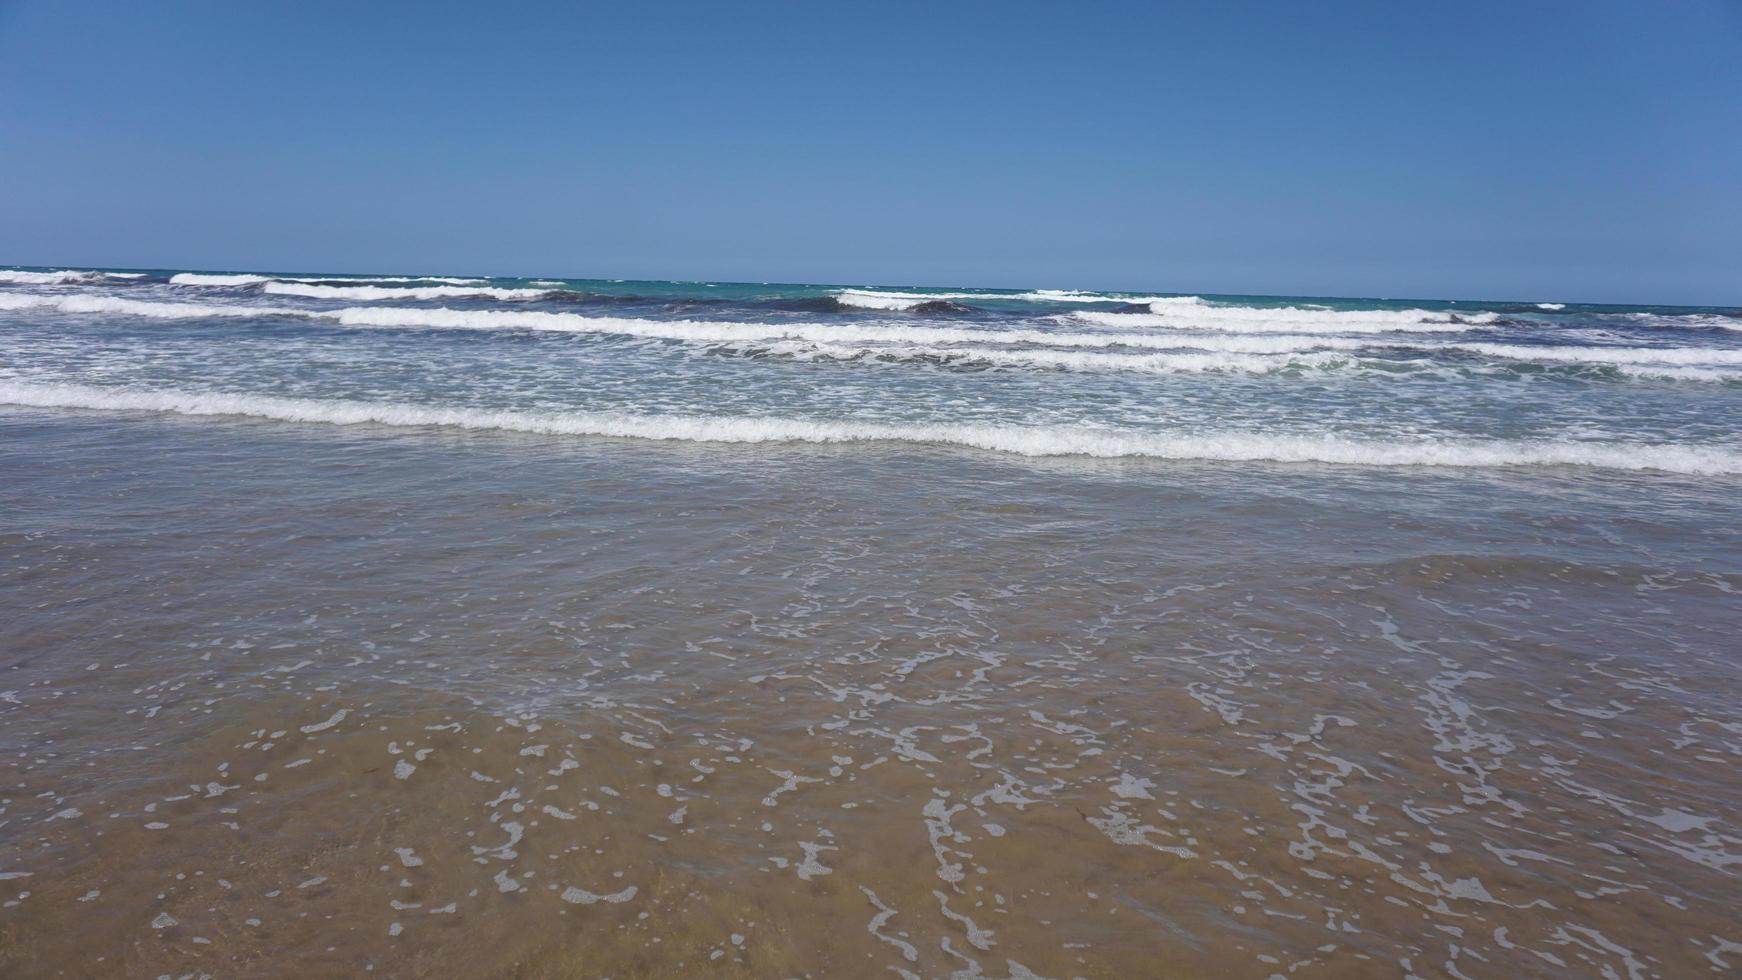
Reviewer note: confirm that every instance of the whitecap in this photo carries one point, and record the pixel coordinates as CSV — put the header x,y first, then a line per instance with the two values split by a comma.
x,y
1023,440
323,290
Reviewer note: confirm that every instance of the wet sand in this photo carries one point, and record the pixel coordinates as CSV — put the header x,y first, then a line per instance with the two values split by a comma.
x,y
280,700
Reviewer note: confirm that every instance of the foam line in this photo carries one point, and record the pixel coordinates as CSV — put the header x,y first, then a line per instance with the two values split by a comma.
x,y
370,293
886,299
915,335
1052,440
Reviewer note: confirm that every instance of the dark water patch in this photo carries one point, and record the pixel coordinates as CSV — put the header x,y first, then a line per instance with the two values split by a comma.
x,y
575,297
807,304
942,306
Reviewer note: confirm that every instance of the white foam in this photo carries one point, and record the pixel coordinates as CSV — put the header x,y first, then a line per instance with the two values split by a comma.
x,y
1683,321
725,331
368,293
1287,319
58,277
90,303
1078,296
1070,360
448,280
250,278
1674,363
580,896
203,279
389,317
884,299
1551,306
1036,440
839,339
1607,355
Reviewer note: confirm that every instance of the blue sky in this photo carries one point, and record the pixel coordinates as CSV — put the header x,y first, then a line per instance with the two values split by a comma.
x,y
1544,150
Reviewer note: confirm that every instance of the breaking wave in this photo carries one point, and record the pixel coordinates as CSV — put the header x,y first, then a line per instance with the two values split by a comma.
x,y
1047,440
83,303
202,279
1288,318
960,344
1184,362
250,279
323,290
62,276
1606,355
882,299
442,318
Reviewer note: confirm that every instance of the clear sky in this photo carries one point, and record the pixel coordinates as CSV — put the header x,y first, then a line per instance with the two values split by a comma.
x,y
1529,149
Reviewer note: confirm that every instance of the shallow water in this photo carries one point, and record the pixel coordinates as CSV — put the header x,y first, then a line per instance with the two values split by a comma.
x,y
1037,373
287,699
452,627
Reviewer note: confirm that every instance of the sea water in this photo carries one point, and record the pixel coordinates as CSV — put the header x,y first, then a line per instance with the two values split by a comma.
x,y
460,626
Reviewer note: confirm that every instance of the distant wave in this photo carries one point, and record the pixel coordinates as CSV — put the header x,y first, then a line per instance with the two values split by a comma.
x,y
1688,363
1683,321
366,293
881,299
62,276
1074,296
1288,319
1551,306
442,318
202,279
1049,440
907,304
897,301
1606,355
249,279
1181,362
89,303
1298,355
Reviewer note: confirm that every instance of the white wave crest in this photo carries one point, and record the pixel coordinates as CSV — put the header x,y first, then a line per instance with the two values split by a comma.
x,y
90,303
707,331
446,280
883,299
1688,363
249,279
1607,355
887,301
704,331
1255,355
1551,306
1288,319
1076,296
369,293
1192,362
60,276
202,279
1052,440
1683,321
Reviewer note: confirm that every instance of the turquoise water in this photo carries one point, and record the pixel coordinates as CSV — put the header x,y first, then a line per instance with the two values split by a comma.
x,y
1033,372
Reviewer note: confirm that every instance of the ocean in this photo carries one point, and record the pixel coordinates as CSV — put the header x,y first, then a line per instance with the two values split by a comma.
x,y
450,626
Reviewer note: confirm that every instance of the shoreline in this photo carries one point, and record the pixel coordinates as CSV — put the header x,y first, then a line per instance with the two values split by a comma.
x,y
453,701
